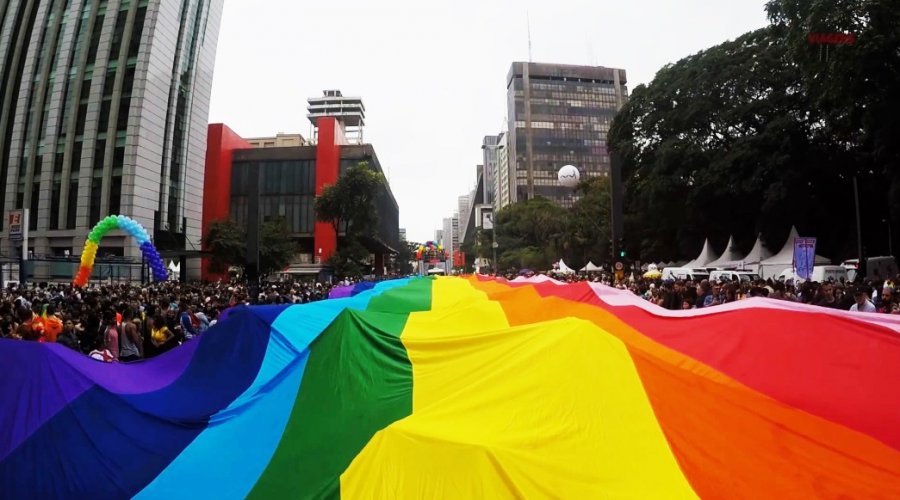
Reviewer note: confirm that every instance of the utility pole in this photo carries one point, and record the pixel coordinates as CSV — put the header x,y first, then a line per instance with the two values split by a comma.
x,y
859,245
617,229
252,270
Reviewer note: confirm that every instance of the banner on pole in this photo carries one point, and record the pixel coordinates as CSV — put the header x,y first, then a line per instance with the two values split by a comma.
x,y
17,221
804,256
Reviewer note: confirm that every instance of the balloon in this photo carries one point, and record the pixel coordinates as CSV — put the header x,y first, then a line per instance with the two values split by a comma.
x,y
568,176
133,228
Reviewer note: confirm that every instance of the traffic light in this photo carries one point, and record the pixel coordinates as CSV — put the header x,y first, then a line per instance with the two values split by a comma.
x,y
621,246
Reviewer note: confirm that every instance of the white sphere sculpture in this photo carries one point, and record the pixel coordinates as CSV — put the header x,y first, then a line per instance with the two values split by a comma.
x,y
568,176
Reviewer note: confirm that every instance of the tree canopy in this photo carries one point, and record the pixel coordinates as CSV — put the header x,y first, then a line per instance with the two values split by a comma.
x,y
350,206
405,256
759,133
534,234
350,203
227,241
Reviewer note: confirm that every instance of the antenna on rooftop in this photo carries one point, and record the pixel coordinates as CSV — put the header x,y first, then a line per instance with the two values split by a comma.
x,y
528,25
592,57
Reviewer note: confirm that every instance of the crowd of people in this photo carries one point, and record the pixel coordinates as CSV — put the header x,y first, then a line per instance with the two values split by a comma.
x,y
125,322
121,322
869,296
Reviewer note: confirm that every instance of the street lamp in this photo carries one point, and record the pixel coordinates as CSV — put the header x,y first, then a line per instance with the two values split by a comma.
x,y
494,247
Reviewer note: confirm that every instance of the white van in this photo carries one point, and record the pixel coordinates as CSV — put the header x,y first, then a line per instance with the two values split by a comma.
x,y
878,268
820,274
736,276
685,273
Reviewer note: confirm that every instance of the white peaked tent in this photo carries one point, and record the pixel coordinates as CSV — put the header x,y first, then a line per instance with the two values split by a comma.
x,y
731,254
706,256
591,267
564,269
784,259
750,262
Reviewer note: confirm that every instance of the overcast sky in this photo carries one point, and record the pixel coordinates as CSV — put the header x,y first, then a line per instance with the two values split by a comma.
x,y
433,74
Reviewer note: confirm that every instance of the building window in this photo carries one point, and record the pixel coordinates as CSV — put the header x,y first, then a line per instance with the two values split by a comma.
x,y
72,204
54,205
96,191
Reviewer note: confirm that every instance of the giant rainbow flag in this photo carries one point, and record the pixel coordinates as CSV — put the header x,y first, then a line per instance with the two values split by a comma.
x,y
465,388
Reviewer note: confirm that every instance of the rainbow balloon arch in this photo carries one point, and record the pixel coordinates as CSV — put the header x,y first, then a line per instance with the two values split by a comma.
x,y
133,228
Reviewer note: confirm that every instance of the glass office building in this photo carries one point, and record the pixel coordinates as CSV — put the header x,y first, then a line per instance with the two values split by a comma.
x,y
558,115
103,110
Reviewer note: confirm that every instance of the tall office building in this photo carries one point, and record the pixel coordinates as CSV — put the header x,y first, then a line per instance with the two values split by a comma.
x,y
463,209
559,115
103,110
447,236
455,239
489,146
501,178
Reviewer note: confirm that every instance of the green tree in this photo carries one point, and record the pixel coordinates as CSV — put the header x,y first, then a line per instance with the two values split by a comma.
x,y
406,254
855,88
588,231
350,205
227,242
730,141
351,259
530,234
276,247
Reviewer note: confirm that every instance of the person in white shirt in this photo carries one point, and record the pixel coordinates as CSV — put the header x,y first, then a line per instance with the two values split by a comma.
x,y
863,304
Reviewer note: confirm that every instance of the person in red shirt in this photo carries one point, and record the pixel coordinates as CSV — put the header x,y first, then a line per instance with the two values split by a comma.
x,y
36,323
52,324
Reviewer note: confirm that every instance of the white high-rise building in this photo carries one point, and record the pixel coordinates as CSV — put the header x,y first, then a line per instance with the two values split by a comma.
x,y
103,110
455,239
462,214
502,185
447,236
490,150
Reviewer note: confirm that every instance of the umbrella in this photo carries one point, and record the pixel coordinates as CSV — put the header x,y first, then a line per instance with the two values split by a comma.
x,y
525,272
655,274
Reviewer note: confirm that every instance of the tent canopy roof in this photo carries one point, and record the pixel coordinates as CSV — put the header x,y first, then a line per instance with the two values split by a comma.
x,y
591,267
706,256
731,254
786,255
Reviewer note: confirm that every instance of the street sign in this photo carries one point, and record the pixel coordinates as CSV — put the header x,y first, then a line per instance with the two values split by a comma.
x,y
619,266
18,224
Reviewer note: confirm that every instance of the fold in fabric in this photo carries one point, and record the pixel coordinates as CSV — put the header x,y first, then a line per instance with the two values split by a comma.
x,y
469,388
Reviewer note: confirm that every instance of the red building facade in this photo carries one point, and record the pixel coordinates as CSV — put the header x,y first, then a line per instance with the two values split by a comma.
x,y
229,157
220,147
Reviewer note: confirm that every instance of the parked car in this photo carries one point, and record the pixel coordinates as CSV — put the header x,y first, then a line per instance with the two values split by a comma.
x,y
877,268
684,273
820,274
737,276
